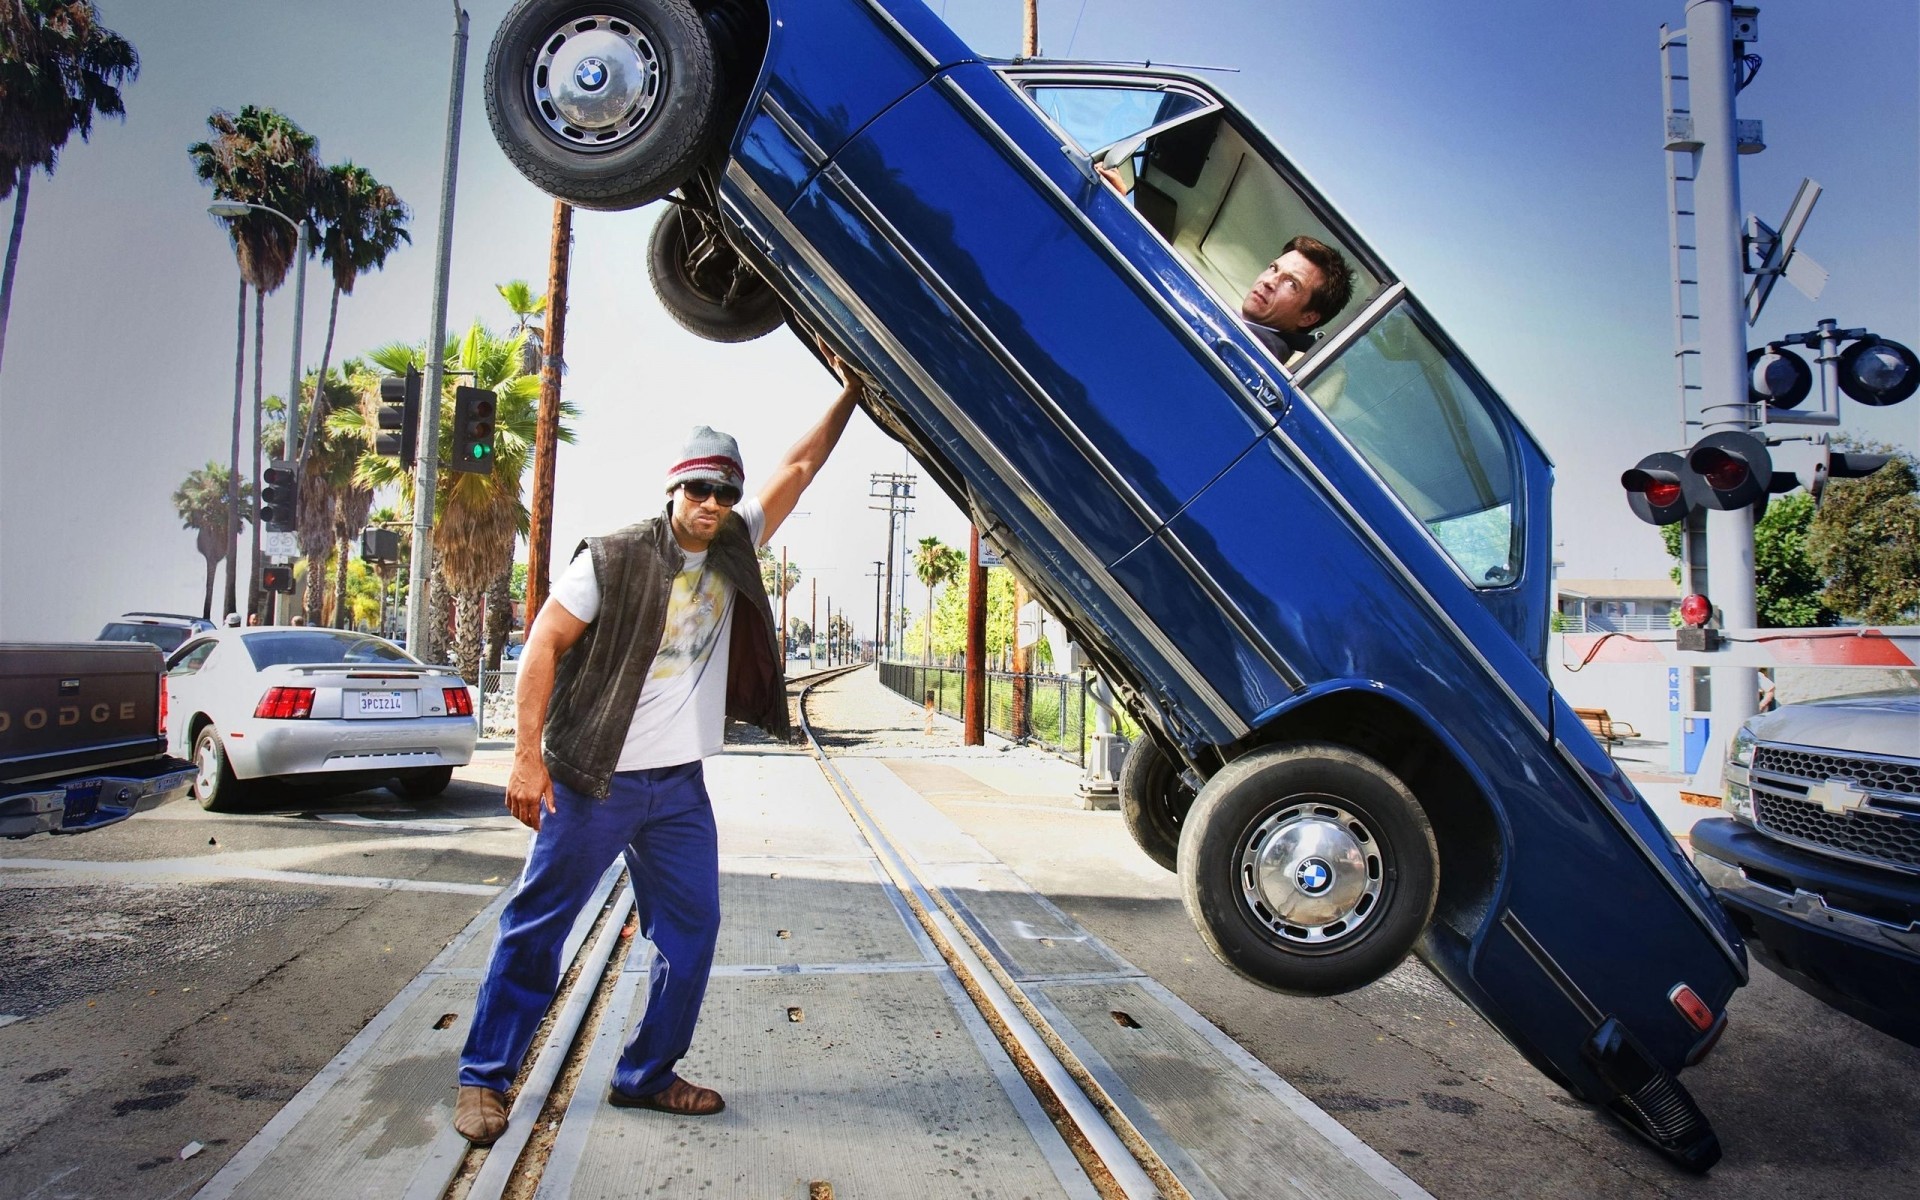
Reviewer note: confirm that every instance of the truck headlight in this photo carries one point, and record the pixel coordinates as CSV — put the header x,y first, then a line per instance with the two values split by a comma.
x,y
1736,797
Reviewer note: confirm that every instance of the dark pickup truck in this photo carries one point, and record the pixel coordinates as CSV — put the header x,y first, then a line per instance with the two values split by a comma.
x,y
82,736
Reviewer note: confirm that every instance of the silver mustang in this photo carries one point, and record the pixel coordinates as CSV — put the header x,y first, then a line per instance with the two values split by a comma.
x,y
253,704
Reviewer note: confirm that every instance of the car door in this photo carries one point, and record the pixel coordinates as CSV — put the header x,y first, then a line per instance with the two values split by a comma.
x,y
185,690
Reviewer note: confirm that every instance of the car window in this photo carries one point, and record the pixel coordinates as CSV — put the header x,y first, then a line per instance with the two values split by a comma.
x,y
1423,419
191,658
1097,115
319,646
168,637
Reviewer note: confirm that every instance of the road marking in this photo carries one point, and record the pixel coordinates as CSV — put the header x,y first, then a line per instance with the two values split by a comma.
x,y
67,873
361,821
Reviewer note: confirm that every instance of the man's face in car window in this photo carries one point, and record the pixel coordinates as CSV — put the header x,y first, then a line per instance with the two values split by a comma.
x,y
1282,298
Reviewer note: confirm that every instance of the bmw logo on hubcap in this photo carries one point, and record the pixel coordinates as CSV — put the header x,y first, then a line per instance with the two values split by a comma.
x,y
1313,876
591,74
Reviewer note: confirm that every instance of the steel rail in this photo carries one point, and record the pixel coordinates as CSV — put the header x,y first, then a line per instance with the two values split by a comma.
x,y
1117,1158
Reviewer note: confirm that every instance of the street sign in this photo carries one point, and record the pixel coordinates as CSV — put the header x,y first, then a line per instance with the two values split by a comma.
x,y
1031,620
989,557
280,543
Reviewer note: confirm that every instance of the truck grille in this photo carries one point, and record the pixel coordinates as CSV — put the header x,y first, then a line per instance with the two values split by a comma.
x,y
1782,776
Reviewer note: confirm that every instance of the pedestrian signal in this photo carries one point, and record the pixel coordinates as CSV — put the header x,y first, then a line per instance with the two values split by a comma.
x,y
399,417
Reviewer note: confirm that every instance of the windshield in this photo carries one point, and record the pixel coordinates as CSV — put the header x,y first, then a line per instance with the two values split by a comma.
x,y
282,647
167,637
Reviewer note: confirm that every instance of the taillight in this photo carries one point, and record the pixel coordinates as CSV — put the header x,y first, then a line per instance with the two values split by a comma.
x,y
459,702
1692,1007
163,705
285,703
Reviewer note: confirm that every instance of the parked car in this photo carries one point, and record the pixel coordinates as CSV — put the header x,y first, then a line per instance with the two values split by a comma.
x,y
1818,858
82,737
165,630
313,705
1320,584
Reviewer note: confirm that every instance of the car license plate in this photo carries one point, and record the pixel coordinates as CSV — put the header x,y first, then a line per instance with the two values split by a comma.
x,y
381,704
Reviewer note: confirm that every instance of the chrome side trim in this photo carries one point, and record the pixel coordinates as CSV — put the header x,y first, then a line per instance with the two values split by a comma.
x,y
1809,908
1088,562
781,117
900,31
1553,970
1694,903
1156,524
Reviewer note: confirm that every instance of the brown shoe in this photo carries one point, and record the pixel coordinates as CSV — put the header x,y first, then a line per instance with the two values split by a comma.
x,y
680,1097
480,1115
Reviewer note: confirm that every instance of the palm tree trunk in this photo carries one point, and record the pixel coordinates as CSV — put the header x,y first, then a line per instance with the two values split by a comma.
x,y
340,619
206,604
499,617
233,468
439,612
13,250
320,380
259,360
468,616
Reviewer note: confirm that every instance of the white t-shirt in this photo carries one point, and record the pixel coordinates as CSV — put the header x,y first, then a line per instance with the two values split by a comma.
x,y
682,712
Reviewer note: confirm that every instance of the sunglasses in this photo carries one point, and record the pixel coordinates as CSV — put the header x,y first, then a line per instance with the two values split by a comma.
x,y
700,492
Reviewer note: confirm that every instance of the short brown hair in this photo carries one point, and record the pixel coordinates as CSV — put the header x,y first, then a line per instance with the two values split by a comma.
x,y
1336,277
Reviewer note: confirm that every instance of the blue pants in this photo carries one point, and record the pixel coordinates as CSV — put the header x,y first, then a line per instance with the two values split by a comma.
x,y
664,820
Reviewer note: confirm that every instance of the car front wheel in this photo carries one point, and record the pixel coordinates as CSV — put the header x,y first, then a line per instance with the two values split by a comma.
x,y
605,104
1309,869
704,284
214,784
1153,802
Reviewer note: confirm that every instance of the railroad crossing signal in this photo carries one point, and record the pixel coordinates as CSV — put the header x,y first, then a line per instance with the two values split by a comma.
x,y
473,411
279,498
399,417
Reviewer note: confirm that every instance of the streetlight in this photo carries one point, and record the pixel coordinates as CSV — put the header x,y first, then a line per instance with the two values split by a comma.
x,y
240,208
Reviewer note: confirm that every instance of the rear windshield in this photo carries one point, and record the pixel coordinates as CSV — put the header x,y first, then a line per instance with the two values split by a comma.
x,y
167,637
319,646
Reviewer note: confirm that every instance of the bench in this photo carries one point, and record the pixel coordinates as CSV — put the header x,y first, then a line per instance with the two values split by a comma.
x,y
1607,731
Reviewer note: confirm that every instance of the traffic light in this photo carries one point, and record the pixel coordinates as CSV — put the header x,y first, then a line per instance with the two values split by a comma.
x,y
399,417
279,497
1777,378
277,578
379,545
1654,489
1878,372
473,430
1727,470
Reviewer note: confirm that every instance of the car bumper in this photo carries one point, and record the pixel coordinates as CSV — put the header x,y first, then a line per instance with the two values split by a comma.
x,y
1848,934
92,801
265,748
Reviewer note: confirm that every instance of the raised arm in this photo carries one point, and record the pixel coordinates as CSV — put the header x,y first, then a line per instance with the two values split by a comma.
x,y
783,487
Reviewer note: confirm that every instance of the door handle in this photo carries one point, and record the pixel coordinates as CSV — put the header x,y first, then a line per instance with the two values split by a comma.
x,y
1250,374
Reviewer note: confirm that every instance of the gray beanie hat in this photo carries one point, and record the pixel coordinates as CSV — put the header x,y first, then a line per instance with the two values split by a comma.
x,y
711,456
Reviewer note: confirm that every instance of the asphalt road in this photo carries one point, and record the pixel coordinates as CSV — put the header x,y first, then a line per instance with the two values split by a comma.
x,y
1807,1102
176,978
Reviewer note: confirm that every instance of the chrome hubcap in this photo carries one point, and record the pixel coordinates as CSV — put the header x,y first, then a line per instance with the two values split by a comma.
x,y
1311,874
595,81
209,773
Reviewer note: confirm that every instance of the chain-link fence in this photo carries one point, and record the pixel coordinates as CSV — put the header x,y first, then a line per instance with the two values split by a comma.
x,y
1056,708
496,703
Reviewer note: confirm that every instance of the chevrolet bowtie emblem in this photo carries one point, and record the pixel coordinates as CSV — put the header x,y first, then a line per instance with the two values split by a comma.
x,y
1838,796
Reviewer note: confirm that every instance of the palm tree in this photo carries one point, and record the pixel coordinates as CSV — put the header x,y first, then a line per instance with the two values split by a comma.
x,y
201,501
935,563
58,68
477,517
326,480
526,306
257,157
361,222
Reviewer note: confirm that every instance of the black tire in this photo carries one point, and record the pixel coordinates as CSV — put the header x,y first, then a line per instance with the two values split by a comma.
x,y
215,785
1154,802
425,783
1309,869
704,284
633,158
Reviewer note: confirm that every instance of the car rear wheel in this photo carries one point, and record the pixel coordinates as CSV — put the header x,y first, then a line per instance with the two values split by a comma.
x,y
214,784
1153,802
704,284
605,104
425,784
1309,869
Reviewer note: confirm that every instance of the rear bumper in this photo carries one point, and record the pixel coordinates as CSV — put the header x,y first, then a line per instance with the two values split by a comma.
x,y
318,747
1847,934
87,802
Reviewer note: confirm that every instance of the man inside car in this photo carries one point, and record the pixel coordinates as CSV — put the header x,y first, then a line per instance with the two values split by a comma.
x,y
1295,295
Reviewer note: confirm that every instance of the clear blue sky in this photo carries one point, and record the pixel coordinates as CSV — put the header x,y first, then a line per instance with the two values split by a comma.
x,y
1504,157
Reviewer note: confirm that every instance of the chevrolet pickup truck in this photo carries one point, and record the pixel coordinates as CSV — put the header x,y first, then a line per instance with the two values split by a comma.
x,y
82,736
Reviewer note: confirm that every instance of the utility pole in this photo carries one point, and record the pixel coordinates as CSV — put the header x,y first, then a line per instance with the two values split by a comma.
x,y
546,438
425,477
896,488
813,619
974,693
784,652
878,579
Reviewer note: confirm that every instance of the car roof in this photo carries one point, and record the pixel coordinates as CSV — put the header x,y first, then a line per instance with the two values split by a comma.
x,y
155,617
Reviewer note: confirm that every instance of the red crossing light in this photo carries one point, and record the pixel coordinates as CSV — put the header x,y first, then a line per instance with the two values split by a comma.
x,y
1695,609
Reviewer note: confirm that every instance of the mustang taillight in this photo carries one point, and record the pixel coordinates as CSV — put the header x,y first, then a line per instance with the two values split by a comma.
x,y
285,703
459,702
